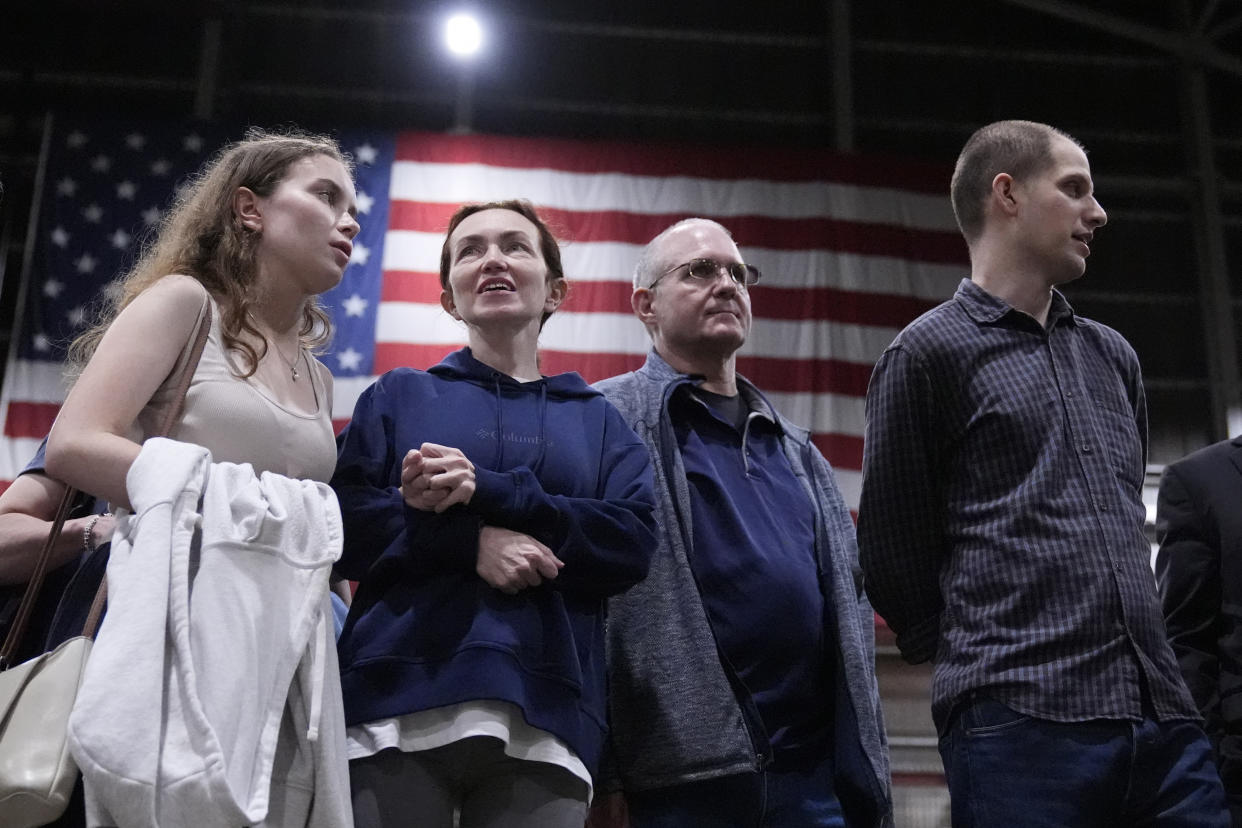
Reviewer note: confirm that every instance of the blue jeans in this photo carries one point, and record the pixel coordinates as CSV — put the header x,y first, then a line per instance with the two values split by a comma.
x,y
767,799
1008,769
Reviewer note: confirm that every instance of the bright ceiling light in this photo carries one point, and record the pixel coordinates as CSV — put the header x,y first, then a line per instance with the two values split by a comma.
x,y
463,34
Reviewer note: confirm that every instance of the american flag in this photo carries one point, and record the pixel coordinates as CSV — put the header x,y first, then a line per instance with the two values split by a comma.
x,y
851,246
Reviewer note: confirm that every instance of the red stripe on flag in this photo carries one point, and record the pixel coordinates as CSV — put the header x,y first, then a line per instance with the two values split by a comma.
x,y
791,304
410,286
675,159
390,355
27,419
593,367
862,238
802,375
769,373
842,450
878,309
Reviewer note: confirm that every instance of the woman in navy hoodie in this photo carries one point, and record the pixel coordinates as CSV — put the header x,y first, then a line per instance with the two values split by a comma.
x,y
489,511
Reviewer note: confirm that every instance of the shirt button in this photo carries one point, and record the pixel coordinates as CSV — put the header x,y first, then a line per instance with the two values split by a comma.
x,y
1103,507
1086,449
1069,395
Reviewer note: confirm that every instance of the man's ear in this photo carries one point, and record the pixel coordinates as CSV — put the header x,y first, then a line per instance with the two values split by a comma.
x,y
450,307
641,300
247,208
1004,190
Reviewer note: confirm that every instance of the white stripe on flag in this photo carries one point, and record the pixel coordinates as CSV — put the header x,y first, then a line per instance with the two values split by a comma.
x,y
412,250
657,195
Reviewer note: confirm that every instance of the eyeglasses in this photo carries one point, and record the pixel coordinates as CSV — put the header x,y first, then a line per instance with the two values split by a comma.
x,y
706,270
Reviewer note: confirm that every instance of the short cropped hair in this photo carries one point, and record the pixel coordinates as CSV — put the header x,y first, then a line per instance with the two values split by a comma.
x,y
651,265
548,246
1019,148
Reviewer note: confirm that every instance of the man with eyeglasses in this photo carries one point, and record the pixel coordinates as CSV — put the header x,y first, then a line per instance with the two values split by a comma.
x,y
742,685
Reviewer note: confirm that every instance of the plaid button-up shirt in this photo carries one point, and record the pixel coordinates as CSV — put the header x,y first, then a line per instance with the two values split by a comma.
x,y
1001,521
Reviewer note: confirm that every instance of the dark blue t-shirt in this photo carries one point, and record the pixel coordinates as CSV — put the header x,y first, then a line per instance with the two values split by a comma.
x,y
754,559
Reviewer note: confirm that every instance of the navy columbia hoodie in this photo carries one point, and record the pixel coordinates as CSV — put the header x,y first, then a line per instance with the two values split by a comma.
x,y
554,460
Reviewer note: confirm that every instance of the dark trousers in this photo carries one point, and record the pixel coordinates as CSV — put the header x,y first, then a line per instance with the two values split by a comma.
x,y
767,799
470,783
1008,769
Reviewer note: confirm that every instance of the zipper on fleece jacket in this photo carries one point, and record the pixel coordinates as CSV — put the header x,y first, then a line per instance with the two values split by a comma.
x,y
760,747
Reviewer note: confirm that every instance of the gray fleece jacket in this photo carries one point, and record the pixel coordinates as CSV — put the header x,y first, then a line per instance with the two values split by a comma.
x,y
677,713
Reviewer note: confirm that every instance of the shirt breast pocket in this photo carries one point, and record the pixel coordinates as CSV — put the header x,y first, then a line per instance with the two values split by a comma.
x,y
1119,434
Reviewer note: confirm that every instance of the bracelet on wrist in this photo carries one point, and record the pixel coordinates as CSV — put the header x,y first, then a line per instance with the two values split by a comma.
x,y
88,537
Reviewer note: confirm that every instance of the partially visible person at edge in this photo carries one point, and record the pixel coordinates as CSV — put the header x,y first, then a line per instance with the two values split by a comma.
x,y
74,570
1199,572
742,671
1001,520
489,512
262,230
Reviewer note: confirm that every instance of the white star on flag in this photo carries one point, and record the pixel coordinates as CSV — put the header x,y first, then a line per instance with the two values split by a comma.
x,y
85,263
93,213
126,190
41,342
360,255
366,154
365,203
101,163
135,141
355,305
77,316
52,288
66,186
75,139
151,215
121,239
60,237
349,359
192,142
160,166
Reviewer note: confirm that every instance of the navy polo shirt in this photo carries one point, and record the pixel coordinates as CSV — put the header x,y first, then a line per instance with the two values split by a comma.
x,y
753,556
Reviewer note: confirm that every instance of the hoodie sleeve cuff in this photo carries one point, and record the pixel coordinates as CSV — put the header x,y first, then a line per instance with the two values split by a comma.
x,y
450,539
495,494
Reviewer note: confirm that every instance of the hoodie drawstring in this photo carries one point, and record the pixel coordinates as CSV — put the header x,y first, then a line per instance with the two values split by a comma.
x,y
311,672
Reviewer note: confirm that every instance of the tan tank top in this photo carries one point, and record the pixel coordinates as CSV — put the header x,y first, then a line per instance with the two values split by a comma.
x,y
239,421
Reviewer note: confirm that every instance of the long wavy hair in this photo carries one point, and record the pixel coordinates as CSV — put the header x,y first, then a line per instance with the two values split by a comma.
x,y
201,236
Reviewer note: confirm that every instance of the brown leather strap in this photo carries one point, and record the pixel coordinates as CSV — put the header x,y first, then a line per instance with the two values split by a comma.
x,y
13,640
196,344
96,611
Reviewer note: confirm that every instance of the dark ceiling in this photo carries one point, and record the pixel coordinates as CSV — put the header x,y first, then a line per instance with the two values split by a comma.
x,y
1150,87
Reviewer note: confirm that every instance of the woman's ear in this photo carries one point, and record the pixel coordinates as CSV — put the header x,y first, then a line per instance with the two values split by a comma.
x,y
557,289
450,307
247,208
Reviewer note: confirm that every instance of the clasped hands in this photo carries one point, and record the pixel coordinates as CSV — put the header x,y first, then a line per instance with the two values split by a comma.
x,y
435,477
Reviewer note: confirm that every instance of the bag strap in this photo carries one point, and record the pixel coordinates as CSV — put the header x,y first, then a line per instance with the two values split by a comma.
x,y
187,364
18,629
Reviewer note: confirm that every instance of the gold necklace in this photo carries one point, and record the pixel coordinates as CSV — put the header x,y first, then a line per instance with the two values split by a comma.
x,y
292,363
